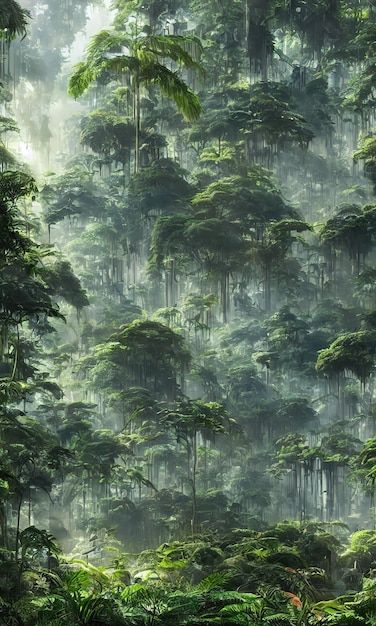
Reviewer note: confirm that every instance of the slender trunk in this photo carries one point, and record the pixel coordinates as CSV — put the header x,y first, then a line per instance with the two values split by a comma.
x,y
257,38
18,528
194,478
268,291
137,123
4,525
29,508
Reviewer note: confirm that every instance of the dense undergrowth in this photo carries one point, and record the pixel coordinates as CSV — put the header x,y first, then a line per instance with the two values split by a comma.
x,y
286,574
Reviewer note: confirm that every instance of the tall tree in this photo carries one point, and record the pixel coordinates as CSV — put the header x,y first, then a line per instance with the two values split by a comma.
x,y
142,64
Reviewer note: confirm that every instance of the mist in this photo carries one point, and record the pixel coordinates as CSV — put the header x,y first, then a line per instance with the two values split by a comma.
x,y
187,312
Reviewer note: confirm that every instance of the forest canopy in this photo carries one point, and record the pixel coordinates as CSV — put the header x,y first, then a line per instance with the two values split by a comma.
x,y
187,312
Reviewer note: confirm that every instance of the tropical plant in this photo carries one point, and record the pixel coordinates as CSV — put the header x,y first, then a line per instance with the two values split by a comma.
x,y
105,54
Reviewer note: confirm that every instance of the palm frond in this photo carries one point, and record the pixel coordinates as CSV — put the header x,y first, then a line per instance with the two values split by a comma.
x,y
214,581
121,64
173,87
104,42
82,77
185,51
6,157
13,19
8,125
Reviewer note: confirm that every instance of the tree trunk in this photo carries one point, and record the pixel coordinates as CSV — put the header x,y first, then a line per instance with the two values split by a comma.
x,y
18,528
194,478
257,38
137,108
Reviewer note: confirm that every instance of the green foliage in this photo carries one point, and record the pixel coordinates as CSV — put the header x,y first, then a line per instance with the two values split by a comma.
x,y
71,194
13,20
63,282
34,541
159,188
270,117
143,63
143,353
224,270
367,154
353,230
353,351
367,461
108,134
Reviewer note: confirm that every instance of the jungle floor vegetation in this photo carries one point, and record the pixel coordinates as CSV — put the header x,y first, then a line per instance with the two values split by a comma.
x,y
187,312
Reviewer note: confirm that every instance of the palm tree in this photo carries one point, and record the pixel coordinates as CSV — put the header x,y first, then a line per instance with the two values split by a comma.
x,y
13,22
13,19
114,52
